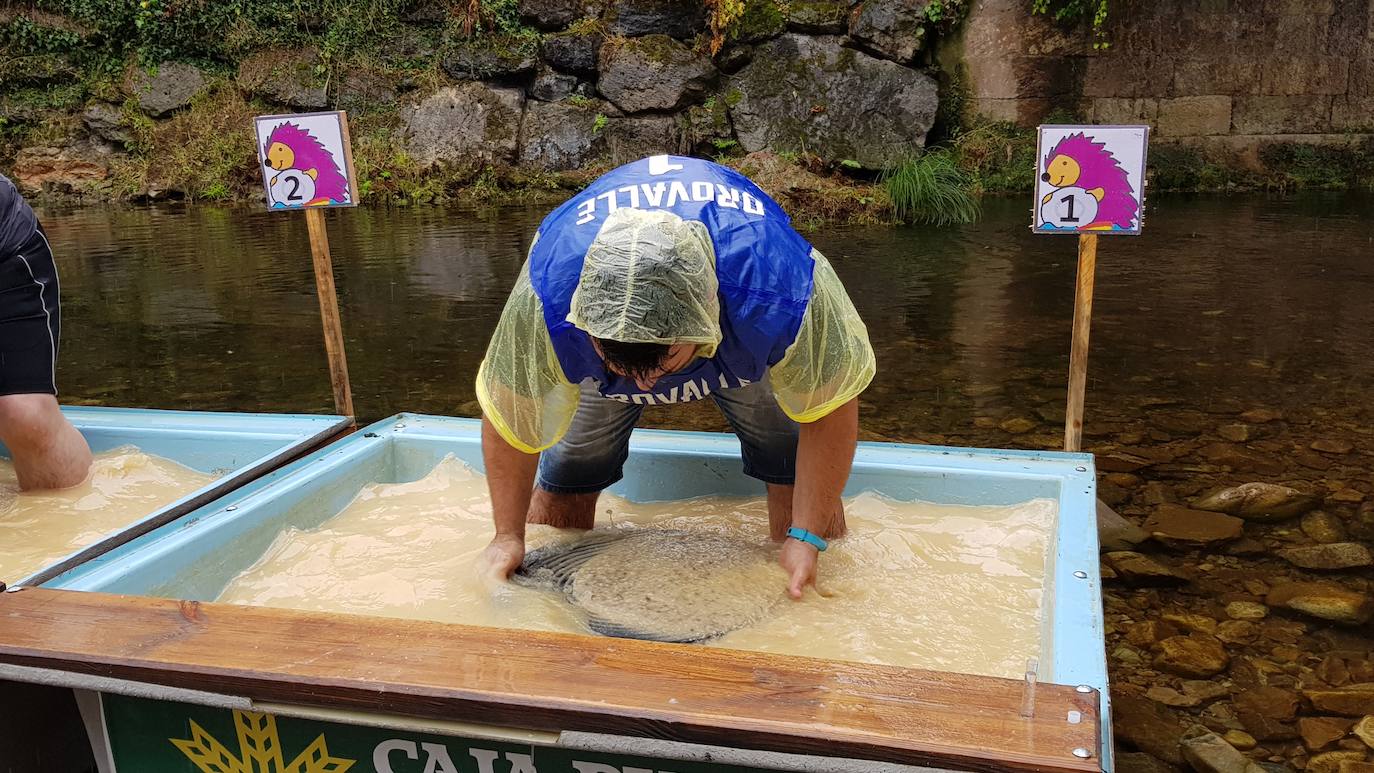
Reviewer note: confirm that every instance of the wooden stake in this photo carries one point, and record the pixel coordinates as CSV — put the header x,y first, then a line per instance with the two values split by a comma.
x,y
329,311
1078,354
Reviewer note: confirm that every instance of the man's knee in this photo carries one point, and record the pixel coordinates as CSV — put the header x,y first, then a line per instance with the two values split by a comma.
x,y
563,511
29,421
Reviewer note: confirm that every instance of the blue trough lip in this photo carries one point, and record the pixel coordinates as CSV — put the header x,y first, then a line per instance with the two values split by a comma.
x,y
238,447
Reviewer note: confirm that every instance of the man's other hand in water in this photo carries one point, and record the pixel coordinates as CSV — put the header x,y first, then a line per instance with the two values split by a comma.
x,y
798,559
503,556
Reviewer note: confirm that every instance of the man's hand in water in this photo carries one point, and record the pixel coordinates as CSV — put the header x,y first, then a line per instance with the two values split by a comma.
x,y
799,561
503,556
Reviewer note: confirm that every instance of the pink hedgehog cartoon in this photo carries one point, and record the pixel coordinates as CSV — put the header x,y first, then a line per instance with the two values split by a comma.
x,y
1077,161
291,147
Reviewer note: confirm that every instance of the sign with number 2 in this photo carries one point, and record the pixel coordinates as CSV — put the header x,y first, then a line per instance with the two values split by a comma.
x,y
1090,179
306,160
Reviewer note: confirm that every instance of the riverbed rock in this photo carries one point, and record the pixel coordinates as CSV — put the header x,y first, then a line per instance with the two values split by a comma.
x,y
574,51
1323,527
1203,690
1018,425
653,72
1355,766
464,126
1115,532
1237,631
1324,601
678,19
1146,632
1332,671
1320,732
1269,702
1185,528
556,136
1336,555
1196,655
1236,433
1140,570
106,122
1140,762
1246,610
1330,762
162,90
1188,621
893,29
1240,458
811,93
1262,502
1364,730
1120,461
1332,446
503,59
1262,415
285,76
1171,697
1240,739
1356,700
1208,752
1147,726
1182,422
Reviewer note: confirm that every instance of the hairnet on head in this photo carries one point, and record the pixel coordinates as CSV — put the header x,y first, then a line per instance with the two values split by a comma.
x,y
649,276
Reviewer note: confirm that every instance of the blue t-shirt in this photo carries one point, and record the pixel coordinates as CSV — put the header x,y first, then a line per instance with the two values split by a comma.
x,y
17,221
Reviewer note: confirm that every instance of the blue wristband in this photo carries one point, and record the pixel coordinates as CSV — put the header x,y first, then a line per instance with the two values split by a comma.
x,y
808,538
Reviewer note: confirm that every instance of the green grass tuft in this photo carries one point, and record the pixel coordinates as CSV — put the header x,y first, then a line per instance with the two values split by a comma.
x,y
931,188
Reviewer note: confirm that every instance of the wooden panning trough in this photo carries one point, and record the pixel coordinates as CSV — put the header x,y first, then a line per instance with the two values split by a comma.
x,y
167,681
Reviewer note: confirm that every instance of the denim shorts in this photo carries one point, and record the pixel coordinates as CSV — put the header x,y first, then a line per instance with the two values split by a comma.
x,y
591,456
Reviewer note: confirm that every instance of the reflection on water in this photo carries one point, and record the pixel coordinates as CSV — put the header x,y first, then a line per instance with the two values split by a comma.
x,y
1223,300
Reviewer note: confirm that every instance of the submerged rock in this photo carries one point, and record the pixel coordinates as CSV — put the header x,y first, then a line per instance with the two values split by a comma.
x,y
1323,527
1320,732
1181,527
1357,700
1246,610
1147,726
1208,752
1337,555
1138,569
1328,602
1330,762
1115,532
1262,502
1332,446
1364,730
1196,655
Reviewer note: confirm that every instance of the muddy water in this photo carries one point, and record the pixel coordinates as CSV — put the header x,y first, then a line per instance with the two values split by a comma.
x,y
38,528
899,589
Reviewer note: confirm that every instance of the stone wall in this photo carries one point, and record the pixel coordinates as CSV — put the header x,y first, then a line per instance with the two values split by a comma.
x,y
1232,75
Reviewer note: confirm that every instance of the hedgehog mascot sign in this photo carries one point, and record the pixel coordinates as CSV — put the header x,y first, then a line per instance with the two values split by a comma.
x,y
1090,179
306,160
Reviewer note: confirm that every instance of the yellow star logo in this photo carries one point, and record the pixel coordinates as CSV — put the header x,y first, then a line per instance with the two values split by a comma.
x,y
259,750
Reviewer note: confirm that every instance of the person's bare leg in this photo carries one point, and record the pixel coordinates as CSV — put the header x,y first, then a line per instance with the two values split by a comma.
x,y
780,514
564,511
48,452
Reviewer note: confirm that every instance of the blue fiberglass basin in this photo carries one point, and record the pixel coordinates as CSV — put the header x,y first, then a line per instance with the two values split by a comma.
x,y
236,447
197,555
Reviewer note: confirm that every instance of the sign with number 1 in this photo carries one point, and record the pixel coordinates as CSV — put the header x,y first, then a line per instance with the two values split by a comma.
x,y
1090,179
306,160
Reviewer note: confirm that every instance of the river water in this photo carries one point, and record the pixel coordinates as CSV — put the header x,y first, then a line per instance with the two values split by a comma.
x,y
1256,300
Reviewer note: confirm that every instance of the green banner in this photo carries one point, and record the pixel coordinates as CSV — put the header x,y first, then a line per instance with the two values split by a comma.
x,y
148,736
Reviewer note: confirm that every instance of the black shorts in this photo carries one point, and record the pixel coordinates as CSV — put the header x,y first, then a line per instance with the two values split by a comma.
x,y
30,319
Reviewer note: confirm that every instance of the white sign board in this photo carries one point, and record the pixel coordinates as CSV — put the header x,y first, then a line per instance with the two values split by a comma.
x,y
1090,179
306,160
